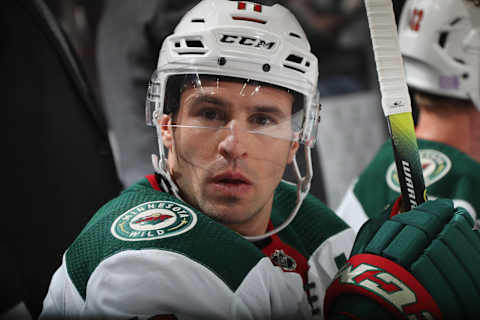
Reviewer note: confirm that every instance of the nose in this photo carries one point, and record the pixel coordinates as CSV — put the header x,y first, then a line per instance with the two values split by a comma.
x,y
234,141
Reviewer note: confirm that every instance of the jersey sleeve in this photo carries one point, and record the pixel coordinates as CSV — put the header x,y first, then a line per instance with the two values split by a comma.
x,y
325,262
146,283
351,210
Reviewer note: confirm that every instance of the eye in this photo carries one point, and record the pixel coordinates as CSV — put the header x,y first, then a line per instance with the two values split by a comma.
x,y
262,120
212,114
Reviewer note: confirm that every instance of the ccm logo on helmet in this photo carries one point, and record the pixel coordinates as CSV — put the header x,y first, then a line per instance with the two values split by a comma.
x,y
247,41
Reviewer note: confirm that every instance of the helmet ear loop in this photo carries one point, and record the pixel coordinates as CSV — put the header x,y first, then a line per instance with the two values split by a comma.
x,y
303,182
160,161
472,46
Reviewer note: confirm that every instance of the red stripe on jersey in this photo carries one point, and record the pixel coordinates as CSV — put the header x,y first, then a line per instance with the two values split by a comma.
x,y
153,182
397,206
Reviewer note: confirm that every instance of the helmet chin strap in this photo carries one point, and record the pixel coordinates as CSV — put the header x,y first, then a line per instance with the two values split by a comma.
x,y
160,166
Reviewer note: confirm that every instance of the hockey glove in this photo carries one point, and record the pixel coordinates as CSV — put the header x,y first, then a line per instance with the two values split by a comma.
x,y
420,264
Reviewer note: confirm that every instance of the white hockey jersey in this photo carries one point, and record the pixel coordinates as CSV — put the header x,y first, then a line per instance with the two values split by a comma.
x,y
148,255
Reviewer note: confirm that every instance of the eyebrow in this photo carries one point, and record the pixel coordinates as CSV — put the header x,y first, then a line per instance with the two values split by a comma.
x,y
213,100
270,109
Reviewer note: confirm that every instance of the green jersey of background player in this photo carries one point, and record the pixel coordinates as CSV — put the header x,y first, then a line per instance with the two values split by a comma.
x,y
441,51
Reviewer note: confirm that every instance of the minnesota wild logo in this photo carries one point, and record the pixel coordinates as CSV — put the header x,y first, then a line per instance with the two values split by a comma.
x,y
435,166
153,220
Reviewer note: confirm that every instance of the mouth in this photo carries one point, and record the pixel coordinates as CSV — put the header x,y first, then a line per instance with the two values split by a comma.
x,y
231,183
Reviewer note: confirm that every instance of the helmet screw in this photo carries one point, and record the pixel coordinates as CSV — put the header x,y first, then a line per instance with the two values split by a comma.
x,y
266,67
465,76
221,61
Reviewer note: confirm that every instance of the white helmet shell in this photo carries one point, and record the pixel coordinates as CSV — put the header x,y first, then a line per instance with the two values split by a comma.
x,y
440,44
244,40
249,36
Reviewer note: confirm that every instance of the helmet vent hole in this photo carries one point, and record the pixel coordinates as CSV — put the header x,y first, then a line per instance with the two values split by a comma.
x,y
294,58
191,52
198,20
442,39
295,35
188,46
459,60
249,19
194,43
293,68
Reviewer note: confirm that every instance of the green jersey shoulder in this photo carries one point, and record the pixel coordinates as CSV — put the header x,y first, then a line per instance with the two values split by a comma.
x,y
448,173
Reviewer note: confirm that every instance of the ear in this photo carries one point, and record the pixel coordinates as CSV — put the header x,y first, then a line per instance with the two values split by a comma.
x,y
292,151
166,130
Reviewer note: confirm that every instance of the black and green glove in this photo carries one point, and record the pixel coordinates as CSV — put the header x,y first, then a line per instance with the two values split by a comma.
x,y
421,264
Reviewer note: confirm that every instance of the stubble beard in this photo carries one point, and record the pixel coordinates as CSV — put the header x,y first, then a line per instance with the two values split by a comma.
x,y
228,214
228,209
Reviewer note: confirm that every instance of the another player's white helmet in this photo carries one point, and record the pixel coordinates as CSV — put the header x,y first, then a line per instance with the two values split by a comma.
x,y
440,44
248,42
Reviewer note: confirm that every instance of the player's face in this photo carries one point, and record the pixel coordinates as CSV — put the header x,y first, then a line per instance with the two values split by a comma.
x,y
225,153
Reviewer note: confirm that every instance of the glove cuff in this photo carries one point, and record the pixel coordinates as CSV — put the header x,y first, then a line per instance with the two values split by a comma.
x,y
385,282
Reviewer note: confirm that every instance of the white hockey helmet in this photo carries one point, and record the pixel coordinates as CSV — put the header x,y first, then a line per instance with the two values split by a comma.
x,y
440,44
241,40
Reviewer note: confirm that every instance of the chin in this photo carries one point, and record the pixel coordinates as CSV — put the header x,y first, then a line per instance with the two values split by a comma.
x,y
228,213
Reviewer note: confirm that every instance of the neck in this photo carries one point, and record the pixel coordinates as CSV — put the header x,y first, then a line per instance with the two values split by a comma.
x,y
255,225
457,127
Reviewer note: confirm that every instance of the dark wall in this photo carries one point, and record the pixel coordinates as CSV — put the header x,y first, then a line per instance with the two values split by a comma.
x,y
59,165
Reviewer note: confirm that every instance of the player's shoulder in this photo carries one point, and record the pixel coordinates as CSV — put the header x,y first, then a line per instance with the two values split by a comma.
x,y
142,218
447,157
314,224
447,171
433,154
442,165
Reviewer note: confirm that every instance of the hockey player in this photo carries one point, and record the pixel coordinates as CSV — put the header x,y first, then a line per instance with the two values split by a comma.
x,y
440,45
215,233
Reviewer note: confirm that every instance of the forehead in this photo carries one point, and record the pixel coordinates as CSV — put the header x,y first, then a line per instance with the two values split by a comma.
x,y
237,93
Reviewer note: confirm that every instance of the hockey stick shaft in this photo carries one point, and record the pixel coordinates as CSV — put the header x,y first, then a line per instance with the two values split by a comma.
x,y
396,100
